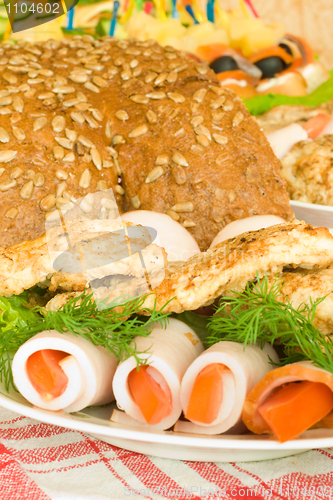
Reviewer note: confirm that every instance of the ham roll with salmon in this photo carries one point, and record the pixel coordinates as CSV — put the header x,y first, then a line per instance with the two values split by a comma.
x,y
289,400
150,395
215,386
56,371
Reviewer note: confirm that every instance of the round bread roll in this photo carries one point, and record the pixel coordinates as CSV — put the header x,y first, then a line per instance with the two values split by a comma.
x,y
80,115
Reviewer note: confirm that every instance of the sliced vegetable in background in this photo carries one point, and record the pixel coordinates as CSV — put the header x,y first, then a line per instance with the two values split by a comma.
x,y
260,104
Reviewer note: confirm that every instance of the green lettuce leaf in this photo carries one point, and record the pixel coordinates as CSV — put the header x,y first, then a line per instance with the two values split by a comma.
x,y
13,313
260,104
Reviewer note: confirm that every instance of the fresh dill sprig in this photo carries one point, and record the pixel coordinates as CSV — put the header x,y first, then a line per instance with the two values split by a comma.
x,y
257,316
113,326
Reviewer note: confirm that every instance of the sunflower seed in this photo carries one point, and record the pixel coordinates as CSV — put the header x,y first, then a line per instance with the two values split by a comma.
x,y
160,79
63,204
150,77
45,95
179,174
85,179
156,95
217,90
197,120
65,143
237,119
220,139
2,171
179,159
61,189
71,134
26,190
30,174
175,96
92,87
137,72
12,213
217,116
173,215
58,152
39,180
202,130
4,136
92,123
188,223
4,101
172,77
218,102
96,158
63,89
58,124
7,155
69,103
202,140
47,203
99,81
81,97
85,142
151,116
82,106
97,114
139,99
138,131
46,72
162,160
77,117
78,77
70,157
16,172
228,106
101,185
179,132
35,81
199,95
10,78
122,115
119,189
154,174
61,175
5,111
185,207
201,69
136,202
223,159
39,124
7,185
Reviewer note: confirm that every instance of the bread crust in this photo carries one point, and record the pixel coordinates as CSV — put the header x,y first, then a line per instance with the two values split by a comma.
x,y
82,114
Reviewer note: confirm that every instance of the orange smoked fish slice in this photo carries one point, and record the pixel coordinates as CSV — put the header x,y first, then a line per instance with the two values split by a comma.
x,y
296,407
296,372
154,404
206,395
45,374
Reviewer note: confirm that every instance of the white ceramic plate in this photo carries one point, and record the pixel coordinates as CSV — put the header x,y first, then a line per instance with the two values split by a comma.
x,y
317,215
168,444
180,446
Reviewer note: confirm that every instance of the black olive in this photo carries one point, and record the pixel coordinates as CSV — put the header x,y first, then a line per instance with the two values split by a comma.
x,y
270,66
286,47
223,63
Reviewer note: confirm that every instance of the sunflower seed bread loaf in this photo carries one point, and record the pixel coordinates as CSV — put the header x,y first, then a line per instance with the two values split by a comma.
x,y
82,115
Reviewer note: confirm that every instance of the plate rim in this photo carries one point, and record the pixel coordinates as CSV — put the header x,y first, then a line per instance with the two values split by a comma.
x,y
119,431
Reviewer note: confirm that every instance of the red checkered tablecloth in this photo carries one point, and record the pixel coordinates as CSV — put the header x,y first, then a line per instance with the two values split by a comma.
x,y
41,462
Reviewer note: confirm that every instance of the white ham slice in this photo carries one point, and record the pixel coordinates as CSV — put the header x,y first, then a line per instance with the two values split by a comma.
x,y
295,372
89,368
246,367
170,352
285,138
